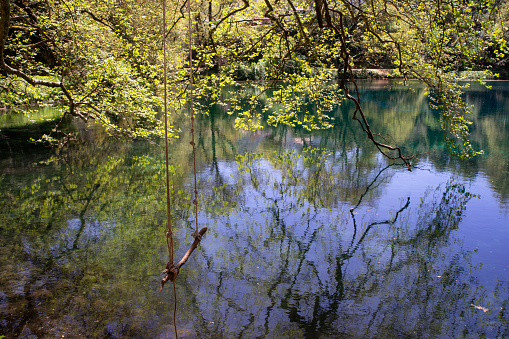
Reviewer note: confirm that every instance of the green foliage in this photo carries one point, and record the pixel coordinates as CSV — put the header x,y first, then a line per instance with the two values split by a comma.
x,y
98,63
241,72
476,75
367,74
105,58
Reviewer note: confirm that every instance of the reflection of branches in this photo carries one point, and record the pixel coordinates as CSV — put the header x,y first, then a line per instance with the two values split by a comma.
x,y
279,280
391,221
297,286
318,311
368,187
444,215
285,302
303,247
443,208
30,312
288,290
213,130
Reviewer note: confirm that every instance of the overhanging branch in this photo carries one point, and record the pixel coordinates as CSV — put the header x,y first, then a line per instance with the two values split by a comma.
x,y
5,12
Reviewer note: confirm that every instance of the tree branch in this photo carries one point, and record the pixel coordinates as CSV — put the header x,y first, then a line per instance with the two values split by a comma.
x,y
5,12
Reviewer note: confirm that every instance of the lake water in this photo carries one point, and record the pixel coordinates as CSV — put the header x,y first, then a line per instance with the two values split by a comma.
x,y
310,235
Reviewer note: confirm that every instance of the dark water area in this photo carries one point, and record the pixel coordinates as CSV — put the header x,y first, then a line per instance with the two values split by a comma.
x,y
310,234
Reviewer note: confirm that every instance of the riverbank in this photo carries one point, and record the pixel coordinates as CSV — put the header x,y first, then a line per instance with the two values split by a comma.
x,y
387,73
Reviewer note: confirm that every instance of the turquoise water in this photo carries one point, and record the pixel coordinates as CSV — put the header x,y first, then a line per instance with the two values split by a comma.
x,y
311,235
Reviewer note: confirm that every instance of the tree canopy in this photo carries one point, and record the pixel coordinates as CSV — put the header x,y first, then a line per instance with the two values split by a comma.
x,y
266,61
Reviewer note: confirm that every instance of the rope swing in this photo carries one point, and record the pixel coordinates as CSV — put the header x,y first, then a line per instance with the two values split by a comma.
x,y
172,268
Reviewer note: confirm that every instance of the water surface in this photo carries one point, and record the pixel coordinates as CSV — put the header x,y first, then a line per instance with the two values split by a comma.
x,y
311,235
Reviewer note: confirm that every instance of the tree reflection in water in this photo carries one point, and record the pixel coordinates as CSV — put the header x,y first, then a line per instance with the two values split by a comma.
x,y
315,237
333,275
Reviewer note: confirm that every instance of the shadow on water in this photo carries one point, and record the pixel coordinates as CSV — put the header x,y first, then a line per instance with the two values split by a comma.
x,y
17,129
311,235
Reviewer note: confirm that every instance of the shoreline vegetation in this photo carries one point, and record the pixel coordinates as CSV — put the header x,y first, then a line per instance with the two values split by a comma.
x,y
257,71
384,73
387,73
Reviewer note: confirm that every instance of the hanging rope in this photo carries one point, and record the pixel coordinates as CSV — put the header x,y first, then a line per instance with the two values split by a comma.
x,y
169,232
170,266
172,269
195,234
